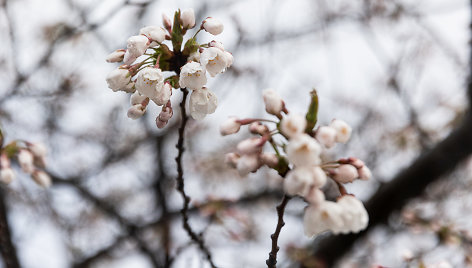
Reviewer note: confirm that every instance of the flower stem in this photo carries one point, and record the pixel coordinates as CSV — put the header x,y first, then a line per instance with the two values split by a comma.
x,y
180,183
272,260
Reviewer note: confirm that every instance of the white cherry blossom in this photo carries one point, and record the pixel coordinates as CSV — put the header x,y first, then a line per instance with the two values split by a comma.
x,y
148,81
42,178
116,56
118,79
202,102
326,136
303,150
26,160
192,76
293,125
7,175
214,60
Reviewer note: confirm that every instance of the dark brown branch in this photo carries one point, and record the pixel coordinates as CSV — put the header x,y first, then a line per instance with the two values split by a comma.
x,y
272,260
180,182
7,249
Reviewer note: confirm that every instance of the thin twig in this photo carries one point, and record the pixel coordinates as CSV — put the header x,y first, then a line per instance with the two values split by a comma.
x,y
272,260
7,249
180,182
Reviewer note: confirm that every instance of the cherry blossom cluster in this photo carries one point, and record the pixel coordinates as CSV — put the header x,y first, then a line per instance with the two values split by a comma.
x,y
297,158
147,57
31,159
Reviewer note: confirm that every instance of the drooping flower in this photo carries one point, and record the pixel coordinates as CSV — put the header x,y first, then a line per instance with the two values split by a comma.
x,y
188,18
303,150
324,217
214,60
293,125
213,26
354,214
118,79
343,130
273,102
230,126
202,102
163,93
301,179
192,76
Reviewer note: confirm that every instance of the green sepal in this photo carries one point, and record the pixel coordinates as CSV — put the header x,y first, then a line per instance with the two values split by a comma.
x,y
11,149
282,166
190,47
177,35
312,114
165,55
174,81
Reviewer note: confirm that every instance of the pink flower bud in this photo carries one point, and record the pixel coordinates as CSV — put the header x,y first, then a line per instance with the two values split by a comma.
x,y
258,128
364,173
213,26
247,164
4,161
7,175
250,146
293,125
167,22
136,111
273,102
38,149
315,196
230,126
25,159
116,56
42,178
326,136
188,18
343,130
269,159
345,173
231,159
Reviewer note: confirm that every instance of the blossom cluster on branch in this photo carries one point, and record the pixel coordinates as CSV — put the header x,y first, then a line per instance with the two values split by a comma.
x,y
29,156
147,58
297,158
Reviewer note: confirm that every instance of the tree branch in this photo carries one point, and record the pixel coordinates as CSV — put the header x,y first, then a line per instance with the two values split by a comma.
x,y
7,249
272,260
180,183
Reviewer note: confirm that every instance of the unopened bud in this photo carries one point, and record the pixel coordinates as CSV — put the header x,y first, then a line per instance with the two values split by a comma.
x,y
7,175
326,136
188,18
345,173
167,23
136,111
364,173
269,159
343,130
273,102
213,26
116,56
38,149
26,159
247,164
258,128
230,126
42,178
231,159
315,196
250,146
